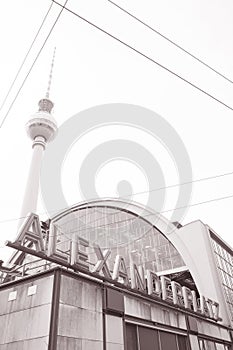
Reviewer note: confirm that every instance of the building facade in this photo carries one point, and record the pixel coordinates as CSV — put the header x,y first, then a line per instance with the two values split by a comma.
x,y
109,275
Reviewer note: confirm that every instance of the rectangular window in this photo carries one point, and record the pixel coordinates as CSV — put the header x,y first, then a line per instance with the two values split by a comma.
x,y
182,342
224,264
210,345
168,341
148,339
143,338
131,337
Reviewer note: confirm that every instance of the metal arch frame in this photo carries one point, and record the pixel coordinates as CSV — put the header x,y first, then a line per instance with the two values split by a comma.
x,y
158,221
129,207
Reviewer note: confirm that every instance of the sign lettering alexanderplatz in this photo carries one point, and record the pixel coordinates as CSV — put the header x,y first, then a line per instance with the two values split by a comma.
x,y
136,278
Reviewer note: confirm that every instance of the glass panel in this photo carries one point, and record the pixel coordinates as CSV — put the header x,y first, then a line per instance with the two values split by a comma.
x,y
168,341
148,339
225,268
123,232
131,337
182,342
209,345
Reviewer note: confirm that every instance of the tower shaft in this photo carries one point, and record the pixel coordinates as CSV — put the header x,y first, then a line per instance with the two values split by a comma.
x,y
32,186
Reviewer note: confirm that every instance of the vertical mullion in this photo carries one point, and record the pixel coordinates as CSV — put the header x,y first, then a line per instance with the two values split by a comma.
x,y
54,311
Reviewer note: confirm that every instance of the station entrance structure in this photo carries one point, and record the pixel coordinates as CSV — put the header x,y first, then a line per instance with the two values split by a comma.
x,y
109,275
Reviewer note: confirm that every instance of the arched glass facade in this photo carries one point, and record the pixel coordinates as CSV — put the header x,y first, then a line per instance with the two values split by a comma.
x,y
120,230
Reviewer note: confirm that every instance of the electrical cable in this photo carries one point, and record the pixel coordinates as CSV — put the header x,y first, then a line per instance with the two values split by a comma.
x,y
171,41
137,193
26,56
182,184
152,214
34,62
144,55
63,7
133,219
136,217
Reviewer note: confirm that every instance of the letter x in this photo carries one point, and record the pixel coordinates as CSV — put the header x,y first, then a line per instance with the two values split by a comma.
x,y
101,263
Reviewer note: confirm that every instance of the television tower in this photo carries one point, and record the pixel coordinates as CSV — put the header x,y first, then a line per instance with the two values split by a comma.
x,y
41,128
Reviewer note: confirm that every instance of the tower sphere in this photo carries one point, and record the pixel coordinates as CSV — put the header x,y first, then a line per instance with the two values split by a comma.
x,y
42,123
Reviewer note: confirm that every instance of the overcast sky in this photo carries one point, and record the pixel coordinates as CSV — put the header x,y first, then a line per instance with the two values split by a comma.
x,y
92,69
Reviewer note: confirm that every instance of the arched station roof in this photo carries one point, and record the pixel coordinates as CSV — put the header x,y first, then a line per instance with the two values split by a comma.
x,y
127,228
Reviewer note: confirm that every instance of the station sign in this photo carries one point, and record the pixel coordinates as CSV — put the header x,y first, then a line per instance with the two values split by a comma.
x,y
30,240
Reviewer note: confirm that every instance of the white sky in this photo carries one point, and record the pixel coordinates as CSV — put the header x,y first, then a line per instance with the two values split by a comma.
x,y
92,69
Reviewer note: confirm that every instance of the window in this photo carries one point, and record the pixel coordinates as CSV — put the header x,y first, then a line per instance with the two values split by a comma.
x,y
211,345
224,263
148,339
182,342
143,338
168,341
131,337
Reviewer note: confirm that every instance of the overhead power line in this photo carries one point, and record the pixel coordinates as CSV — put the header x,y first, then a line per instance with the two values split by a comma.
x,y
147,215
34,62
136,217
171,41
143,55
161,212
167,187
143,192
182,184
26,56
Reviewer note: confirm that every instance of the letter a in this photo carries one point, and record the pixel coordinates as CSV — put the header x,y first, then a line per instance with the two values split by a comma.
x,y
120,270
30,233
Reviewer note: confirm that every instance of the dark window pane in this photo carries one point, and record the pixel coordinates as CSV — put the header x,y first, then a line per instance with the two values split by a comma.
x,y
148,339
131,337
182,342
168,341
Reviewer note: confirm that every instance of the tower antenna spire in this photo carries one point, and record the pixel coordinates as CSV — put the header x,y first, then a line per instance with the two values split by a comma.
x,y
46,105
50,74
